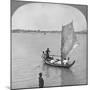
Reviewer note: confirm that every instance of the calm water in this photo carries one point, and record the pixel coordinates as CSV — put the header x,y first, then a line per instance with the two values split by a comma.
x,y
27,62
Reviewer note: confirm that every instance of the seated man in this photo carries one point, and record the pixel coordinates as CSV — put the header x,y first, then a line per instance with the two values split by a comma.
x,y
43,55
58,62
52,61
65,61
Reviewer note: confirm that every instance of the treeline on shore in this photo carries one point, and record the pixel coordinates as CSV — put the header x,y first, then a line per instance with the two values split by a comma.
x,y
38,31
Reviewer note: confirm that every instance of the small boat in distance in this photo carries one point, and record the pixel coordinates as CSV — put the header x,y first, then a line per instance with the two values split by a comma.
x,y
68,41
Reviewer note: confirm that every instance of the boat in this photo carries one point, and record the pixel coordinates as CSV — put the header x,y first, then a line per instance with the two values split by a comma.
x,y
68,41
59,65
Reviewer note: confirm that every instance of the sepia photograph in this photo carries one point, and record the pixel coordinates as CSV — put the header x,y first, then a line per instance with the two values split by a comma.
x,y
49,44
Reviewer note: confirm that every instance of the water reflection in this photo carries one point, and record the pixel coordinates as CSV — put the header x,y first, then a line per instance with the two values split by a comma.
x,y
49,70
45,68
59,75
67,77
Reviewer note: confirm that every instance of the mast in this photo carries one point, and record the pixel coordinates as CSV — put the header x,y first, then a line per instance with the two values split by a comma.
x,y
62,43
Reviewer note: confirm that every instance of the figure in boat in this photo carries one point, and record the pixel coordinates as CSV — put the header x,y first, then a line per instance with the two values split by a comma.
x,y
66,61
48,57
43,55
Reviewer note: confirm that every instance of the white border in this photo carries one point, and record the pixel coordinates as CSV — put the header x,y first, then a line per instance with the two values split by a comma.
x,y
5,44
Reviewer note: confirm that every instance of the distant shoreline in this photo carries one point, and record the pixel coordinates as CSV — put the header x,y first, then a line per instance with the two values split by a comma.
x,y
44,32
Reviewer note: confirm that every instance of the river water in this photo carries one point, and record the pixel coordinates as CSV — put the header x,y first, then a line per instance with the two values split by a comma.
x,y
27,62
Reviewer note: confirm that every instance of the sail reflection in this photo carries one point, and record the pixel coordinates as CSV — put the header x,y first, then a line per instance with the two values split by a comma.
x,y
67,77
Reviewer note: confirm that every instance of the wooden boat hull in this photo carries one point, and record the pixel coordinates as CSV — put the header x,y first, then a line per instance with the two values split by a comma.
x,y
59,65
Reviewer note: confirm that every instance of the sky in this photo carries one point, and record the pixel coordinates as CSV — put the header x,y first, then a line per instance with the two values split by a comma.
x,y
46,16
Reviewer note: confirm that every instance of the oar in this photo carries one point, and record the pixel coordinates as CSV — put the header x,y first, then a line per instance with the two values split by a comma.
x,y
56,55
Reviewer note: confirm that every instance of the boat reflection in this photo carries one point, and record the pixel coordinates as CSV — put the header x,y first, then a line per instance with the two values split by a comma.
x,y
61,76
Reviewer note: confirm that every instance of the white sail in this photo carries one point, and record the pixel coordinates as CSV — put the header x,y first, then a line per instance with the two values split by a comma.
x,y
68,39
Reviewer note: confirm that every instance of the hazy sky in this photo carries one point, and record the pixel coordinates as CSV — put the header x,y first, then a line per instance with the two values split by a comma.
x,y
45,16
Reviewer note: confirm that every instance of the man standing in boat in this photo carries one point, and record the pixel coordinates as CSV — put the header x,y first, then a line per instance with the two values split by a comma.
x,y
48,54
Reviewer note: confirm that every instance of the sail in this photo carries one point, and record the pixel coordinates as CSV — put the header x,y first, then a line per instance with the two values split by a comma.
x,y
68,39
